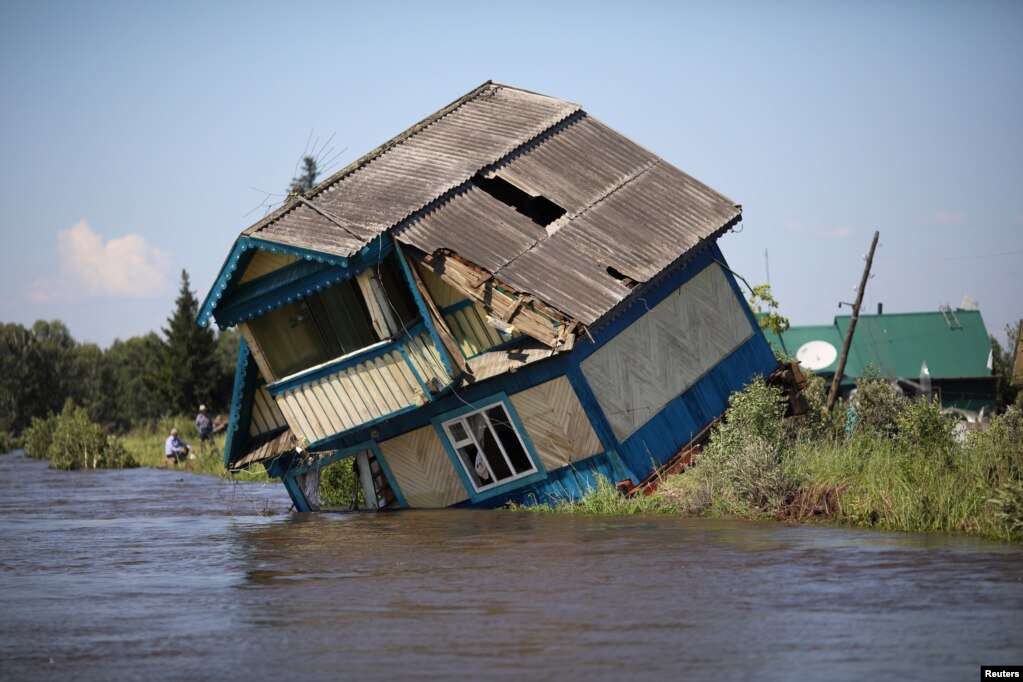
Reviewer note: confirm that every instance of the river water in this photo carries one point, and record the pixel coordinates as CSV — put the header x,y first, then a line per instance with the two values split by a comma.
x,y
153,574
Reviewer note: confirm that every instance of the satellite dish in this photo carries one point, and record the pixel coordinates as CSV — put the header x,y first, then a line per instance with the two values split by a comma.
x,y
816,354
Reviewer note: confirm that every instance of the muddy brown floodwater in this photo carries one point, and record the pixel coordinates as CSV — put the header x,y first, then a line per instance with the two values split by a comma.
x,y
152,574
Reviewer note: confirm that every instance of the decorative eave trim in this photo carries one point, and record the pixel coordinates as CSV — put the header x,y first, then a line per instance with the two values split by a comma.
x,y
368,255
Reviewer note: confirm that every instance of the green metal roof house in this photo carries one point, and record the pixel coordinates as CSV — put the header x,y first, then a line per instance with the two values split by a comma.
x,y
951,347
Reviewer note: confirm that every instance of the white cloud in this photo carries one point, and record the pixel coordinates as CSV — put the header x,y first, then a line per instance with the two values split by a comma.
x,y
948,218
839,232
125,267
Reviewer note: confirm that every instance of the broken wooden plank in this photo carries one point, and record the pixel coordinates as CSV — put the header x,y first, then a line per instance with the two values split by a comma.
x,y
500,301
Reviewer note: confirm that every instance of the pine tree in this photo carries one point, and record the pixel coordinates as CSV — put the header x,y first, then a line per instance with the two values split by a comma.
x,y
307,179
189,372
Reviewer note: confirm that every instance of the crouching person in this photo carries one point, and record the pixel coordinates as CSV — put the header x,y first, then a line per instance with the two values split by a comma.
x,y
176,449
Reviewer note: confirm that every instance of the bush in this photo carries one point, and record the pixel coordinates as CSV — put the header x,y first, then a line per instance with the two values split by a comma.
x,y
877,405
742,469
922,428
339,485
8,442
38,436
817,424
75,442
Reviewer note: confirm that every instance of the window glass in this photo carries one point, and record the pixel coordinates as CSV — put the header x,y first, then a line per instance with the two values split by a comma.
x,y
458,432
502,425
489,447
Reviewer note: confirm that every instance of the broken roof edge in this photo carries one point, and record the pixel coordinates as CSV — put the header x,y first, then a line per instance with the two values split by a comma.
x,y
636,294
378,151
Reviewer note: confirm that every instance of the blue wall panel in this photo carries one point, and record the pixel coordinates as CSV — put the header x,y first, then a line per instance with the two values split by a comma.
x,y
567,483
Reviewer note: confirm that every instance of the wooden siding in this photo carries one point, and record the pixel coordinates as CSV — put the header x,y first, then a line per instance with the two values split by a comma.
x,y
667,350
358,394
266,415
422,469
466,319
556,424
471,332
522,311
263,263
442,293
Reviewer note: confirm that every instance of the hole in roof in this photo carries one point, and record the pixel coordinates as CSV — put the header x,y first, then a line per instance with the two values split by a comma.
x,y
621,277
539,209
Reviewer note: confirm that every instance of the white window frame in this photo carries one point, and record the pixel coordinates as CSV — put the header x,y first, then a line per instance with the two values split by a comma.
x,y
470,439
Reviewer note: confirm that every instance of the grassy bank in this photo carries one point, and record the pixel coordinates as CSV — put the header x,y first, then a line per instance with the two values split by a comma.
x,y
893,464
70,441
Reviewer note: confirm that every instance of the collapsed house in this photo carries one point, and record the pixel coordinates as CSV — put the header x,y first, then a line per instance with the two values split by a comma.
x,y
502,303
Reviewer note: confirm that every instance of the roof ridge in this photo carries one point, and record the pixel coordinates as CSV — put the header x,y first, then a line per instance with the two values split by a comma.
x,y
378,151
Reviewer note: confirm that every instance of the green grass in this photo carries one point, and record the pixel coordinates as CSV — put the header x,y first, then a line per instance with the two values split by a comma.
x,y
146,445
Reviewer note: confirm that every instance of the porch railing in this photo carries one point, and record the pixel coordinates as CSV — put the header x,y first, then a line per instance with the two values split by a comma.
x,y
362,388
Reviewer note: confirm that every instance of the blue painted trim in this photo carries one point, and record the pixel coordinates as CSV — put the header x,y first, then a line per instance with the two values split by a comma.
x,y
344,362
622,471
415,372
601,426
245,375
247,303
391,480
232,263
567,483
503,489
329,441
296,494
350,451
370,254
333,457
424,312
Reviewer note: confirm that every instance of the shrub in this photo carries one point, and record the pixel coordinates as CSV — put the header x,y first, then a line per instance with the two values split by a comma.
x,y
1007,504
922,428
38,436
877,405
8,442
817,424
78,443
743,467
339,485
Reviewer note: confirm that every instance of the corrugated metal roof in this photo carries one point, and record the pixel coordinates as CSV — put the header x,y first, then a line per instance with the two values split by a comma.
x,y
897,344
625,210
628,214
413,169
477,226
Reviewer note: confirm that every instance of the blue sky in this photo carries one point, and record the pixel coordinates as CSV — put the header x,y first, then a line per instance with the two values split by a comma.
x,y
137,139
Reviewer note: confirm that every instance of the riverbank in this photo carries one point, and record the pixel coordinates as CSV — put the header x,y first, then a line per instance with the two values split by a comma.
x,y
892,464
69,440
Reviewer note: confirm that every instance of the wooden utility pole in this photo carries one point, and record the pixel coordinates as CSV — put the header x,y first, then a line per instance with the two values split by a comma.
x,y
833,393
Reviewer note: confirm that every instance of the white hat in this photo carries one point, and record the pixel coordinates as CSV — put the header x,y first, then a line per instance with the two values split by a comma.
x,y
202,408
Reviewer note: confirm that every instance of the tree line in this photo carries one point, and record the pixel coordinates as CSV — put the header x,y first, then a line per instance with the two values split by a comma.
x,y
129,383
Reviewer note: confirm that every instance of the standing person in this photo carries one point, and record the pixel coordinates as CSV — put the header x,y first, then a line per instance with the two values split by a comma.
x,y
176,450
204,425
